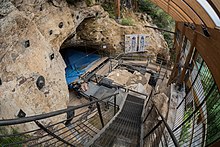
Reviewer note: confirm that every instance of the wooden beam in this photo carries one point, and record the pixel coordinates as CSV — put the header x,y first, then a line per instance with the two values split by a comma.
x,y
188,59
190,13
168,7
178,47
200,11
178,9
208,48
171,12
215,5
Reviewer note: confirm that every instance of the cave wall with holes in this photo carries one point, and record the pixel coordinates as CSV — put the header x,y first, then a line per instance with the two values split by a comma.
x,y
104,33
31,33
32,71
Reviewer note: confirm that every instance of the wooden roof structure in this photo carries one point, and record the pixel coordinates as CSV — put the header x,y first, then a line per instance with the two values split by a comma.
x,y
199,22
191,11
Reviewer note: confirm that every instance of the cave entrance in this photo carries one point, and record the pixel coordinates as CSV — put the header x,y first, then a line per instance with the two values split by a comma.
x,y
78,60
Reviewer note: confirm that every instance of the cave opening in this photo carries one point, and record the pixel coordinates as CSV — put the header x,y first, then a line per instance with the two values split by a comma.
x,y
78,60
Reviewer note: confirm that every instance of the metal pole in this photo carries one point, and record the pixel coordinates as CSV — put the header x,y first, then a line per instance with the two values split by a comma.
x,y
168,129
192,83
100,114
110,66
154,128
96,80
148,114
15,121
160,29
197,108
114,105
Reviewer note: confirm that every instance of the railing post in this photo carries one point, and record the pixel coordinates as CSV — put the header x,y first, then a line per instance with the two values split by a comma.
x,y
96,80
100,114
114,104
165,74
110,67
70,116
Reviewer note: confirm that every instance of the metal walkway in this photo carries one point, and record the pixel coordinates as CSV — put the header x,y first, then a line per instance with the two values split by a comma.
x,y
125,129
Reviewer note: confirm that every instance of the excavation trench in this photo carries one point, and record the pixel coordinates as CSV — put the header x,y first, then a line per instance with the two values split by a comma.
x,y
78,60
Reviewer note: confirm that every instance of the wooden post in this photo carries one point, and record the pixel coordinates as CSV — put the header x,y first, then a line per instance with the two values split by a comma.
x,y
188,59
117,9
178,47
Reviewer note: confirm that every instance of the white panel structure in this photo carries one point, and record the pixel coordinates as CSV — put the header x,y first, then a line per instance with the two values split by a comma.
x,y
135,43
131,43
142,42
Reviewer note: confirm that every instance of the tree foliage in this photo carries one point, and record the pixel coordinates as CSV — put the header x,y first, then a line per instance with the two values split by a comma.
x,y
161,19
110,8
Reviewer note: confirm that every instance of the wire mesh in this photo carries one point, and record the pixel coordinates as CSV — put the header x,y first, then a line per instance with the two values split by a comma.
x,y
199,125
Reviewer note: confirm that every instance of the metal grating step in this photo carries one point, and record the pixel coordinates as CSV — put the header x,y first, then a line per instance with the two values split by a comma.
x,y
134,99
125,129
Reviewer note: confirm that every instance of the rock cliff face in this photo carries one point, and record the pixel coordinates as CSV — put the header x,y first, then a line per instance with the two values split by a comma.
x,y
104,31
31,33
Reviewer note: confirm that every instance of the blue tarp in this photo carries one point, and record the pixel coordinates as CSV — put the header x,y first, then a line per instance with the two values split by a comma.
x,y
77,63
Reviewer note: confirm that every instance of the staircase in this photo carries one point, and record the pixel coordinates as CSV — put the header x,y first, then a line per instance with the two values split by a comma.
x,y
125,128
100,128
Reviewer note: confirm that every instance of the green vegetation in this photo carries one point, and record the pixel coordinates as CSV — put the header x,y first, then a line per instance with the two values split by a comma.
x,y
185,134
162,20
89,2
10,139
127,21
213,104
109,7
213,132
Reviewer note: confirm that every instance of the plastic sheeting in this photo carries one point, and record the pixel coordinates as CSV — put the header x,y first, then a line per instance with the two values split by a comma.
x,y
77,63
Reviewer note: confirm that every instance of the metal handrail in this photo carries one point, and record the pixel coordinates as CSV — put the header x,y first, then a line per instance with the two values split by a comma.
x,y
50,114
197,108
152,130
168,128
159,123
52,134
192,84
160,29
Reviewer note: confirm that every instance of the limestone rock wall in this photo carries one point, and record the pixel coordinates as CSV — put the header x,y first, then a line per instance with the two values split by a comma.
x,y
104,31
31,33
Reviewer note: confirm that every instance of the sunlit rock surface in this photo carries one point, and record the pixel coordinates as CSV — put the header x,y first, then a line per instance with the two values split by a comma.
x,y
31,34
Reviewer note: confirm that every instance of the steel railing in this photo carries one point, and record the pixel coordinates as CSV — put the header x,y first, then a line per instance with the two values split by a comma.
x,y
82,126
155,130
197,114
198,124
160,132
